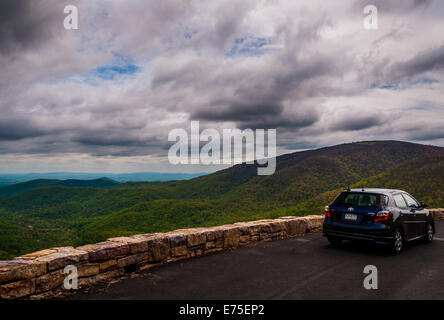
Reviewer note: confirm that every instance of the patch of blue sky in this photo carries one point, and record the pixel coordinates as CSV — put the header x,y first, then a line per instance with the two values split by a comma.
x,y
118,70
419,108
426,80
189,34
112,71
250,46
121,66
383,86
405,84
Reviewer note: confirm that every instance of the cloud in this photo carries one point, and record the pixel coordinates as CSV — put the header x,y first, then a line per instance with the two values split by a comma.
x,y
256,93
426,61
16,128
137,69
393,7
358,122
28,25
426,132
229,16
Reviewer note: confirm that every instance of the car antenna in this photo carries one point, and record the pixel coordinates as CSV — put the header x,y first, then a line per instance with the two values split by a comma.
x,y
362,190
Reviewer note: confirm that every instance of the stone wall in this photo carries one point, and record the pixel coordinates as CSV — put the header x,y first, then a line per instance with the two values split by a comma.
x,y
40,275
438,214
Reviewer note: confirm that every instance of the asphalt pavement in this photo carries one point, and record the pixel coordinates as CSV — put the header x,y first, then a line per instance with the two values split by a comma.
x,y
299,268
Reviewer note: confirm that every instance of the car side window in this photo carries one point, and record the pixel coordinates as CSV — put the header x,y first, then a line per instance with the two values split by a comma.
x,y
411,203
384,200
399,201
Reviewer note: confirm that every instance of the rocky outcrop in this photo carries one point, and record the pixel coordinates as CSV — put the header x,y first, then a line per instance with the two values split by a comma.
x,y
41,275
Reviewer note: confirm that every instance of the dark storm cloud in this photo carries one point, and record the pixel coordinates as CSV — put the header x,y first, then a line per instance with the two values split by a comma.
x,y
264,96
116,138
101,142
242,111
26,24
358,122
428,60
426,132
256,115
286,122
17,128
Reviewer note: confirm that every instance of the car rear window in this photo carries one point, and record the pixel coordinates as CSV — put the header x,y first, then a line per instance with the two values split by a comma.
x,y
361,199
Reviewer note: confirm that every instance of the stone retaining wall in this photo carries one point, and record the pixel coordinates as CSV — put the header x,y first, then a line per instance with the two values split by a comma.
x,y
40,275
438,214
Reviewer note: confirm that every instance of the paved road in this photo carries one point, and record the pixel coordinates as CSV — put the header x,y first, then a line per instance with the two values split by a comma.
x,y
298,268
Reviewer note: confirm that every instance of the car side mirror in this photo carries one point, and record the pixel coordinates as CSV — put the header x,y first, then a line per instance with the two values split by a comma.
x,y
424,205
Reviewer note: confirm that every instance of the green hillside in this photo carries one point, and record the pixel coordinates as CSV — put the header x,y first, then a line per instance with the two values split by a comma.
x,y
422,178
303,183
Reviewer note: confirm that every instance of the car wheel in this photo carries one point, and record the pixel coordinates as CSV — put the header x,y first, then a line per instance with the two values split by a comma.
x,y
398,241
429,234
334,241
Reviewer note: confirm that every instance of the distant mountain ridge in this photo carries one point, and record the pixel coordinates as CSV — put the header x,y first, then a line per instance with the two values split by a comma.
x,y
13,178
11,190
304,182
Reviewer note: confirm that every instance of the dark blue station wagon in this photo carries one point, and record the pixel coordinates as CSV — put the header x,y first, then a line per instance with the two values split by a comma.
x,y
383,216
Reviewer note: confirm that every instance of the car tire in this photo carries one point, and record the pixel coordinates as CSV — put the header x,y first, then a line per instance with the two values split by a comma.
x,y
334,241
398,241
429,233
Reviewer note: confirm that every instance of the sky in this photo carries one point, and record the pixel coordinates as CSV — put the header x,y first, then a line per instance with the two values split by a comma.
x,y
104,97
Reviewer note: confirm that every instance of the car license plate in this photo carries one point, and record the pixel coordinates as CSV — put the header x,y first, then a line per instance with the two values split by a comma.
x,y
351,216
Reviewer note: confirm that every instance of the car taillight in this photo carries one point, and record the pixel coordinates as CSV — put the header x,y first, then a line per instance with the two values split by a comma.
x,y
382,216
327,211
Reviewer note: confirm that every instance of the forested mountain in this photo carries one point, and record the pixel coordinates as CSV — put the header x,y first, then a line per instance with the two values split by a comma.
x,y
304,182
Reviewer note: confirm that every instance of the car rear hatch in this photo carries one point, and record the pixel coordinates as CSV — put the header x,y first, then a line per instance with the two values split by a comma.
x,y
358,208
353,214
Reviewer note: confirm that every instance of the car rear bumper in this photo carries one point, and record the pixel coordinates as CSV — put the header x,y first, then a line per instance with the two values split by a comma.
x,y
378,234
